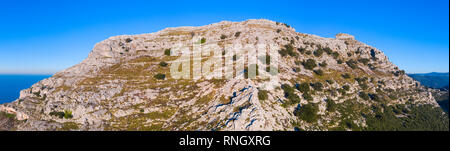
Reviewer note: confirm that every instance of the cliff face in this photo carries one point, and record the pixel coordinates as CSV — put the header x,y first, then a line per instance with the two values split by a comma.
x,y
126,83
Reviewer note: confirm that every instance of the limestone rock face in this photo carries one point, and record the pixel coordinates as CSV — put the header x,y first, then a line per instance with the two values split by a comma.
x,y
115,87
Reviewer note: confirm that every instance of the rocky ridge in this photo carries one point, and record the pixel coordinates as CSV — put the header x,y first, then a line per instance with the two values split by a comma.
x,y
323,84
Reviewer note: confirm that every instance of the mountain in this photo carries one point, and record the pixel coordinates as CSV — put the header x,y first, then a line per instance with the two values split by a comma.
x,y
250,75
432,80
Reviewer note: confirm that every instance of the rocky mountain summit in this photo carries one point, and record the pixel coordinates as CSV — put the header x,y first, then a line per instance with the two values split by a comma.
x,y
319,84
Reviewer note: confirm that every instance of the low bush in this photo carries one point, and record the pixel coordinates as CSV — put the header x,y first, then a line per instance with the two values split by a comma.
x,y
307,112
163,64
262,95
317,86
323,64
237,34
318,52
309,64
331,105
346,76
167,52
346,87
352,64
307,96
203,40
318,72
160,76
303,87
364,95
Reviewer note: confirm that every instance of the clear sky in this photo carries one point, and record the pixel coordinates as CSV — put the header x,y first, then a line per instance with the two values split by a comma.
x,y
48,36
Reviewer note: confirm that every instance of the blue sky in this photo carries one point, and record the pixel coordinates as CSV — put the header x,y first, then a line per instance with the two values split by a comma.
x,y
41,37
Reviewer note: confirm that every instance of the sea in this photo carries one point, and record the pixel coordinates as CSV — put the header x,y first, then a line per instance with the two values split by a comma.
x,y
11,85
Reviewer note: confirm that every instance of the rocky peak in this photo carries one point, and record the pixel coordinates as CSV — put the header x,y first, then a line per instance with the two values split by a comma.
x,y
126,84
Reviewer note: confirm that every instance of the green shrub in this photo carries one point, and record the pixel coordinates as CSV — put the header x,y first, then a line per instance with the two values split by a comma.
x,y
346,87
328,50
374,97
223,36
364,61
339,61
57,114
167,52
128,40
203,40
318,52
330,81
282,52
346,76
262,95
323,64
7,115
68,114
288,50
341,91
308,52
317,86
309,64
278,30
335,55
307,96
419,118
352,64
163,64
318,72
290,95
301,50
364,95
307,112
363,86
160,76
331,105
303,87
237,34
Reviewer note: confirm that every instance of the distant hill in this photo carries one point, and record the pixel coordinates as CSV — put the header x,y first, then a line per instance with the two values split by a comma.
x,y
433,79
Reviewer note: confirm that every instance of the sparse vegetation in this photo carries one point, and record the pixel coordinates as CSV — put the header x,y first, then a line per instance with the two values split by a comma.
x,y
288,50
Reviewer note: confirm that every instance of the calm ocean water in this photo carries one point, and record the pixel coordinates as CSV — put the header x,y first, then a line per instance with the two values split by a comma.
x,y
10,85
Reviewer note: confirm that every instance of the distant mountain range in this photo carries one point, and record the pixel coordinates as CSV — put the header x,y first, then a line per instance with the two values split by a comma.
x,y
433,79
